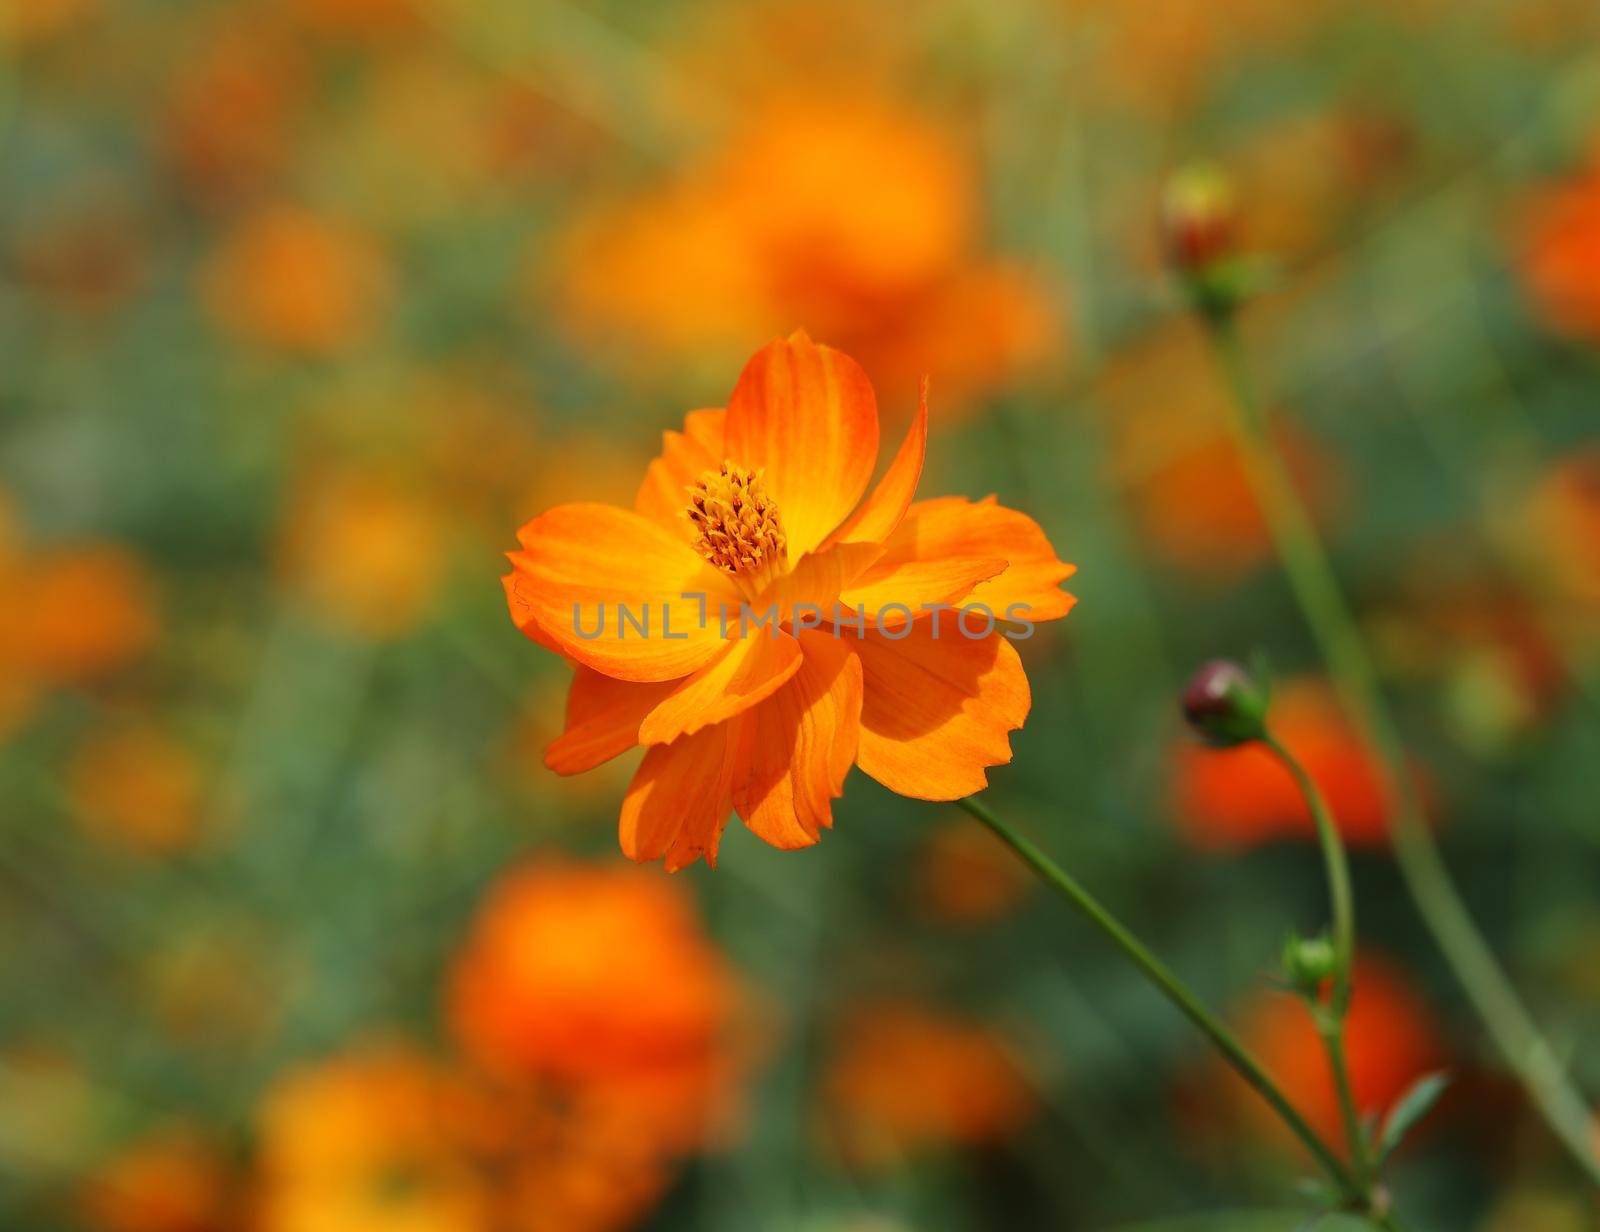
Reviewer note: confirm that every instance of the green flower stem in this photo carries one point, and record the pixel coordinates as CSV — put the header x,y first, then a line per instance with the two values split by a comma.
x,y
1175,991
1341,898
1316,587
1330,1019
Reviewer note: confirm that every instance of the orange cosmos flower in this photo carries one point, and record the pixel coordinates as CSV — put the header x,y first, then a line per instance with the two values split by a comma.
x,y
757,509
908,1078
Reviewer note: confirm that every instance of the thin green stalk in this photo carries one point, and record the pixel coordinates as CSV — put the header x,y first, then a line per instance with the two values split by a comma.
x,y
1175,991
1341,897
1330,1019
1316,588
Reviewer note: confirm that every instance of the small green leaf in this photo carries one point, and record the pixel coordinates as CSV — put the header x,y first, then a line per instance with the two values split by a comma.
x,y
1409,1109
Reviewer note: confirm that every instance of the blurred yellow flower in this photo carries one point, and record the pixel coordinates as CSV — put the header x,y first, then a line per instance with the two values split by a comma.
x,y
372,1141
27,22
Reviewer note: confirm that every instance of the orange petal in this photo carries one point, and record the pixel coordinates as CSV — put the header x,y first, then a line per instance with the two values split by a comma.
x,y
916,585
817,579
680,799
806,415
938,710
582,564
685,456
603,717
749,669
954,527
877,516
800,744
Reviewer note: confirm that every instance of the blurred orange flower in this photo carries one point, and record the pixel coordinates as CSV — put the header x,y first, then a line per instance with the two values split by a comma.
x,y
1560,253
854,216
1162,63
907,1078
381,1138
26,22
1562,518
135,786
1175,456
1197,506
372,1141
172,1180
1230,798
365,550
595,975
1391,1040
356,18
289,279
226,123
751,508
963,876
68,616
593,993
78,612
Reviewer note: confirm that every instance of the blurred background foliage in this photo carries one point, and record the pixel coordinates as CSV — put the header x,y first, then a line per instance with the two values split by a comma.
x,y
306,304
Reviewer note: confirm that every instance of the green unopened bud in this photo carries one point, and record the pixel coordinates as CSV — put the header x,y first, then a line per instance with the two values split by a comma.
x,y
1309,963
1225,705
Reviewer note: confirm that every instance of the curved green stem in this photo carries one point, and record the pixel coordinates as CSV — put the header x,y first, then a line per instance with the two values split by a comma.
x,y
1331,1018
1341,897
1175,991
1316,588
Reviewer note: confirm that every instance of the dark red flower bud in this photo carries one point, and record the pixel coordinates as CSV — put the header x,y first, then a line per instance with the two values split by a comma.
x,y
1199,220
1224,704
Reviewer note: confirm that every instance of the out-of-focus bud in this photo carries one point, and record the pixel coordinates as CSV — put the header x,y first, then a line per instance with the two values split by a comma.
x,y
1225,704
1199,230
1199,218
1309,962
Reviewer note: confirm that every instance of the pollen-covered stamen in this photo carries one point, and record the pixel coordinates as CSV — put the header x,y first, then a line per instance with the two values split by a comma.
x,y
737,527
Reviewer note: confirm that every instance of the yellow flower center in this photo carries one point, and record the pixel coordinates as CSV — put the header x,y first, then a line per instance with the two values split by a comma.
x,y
737,527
